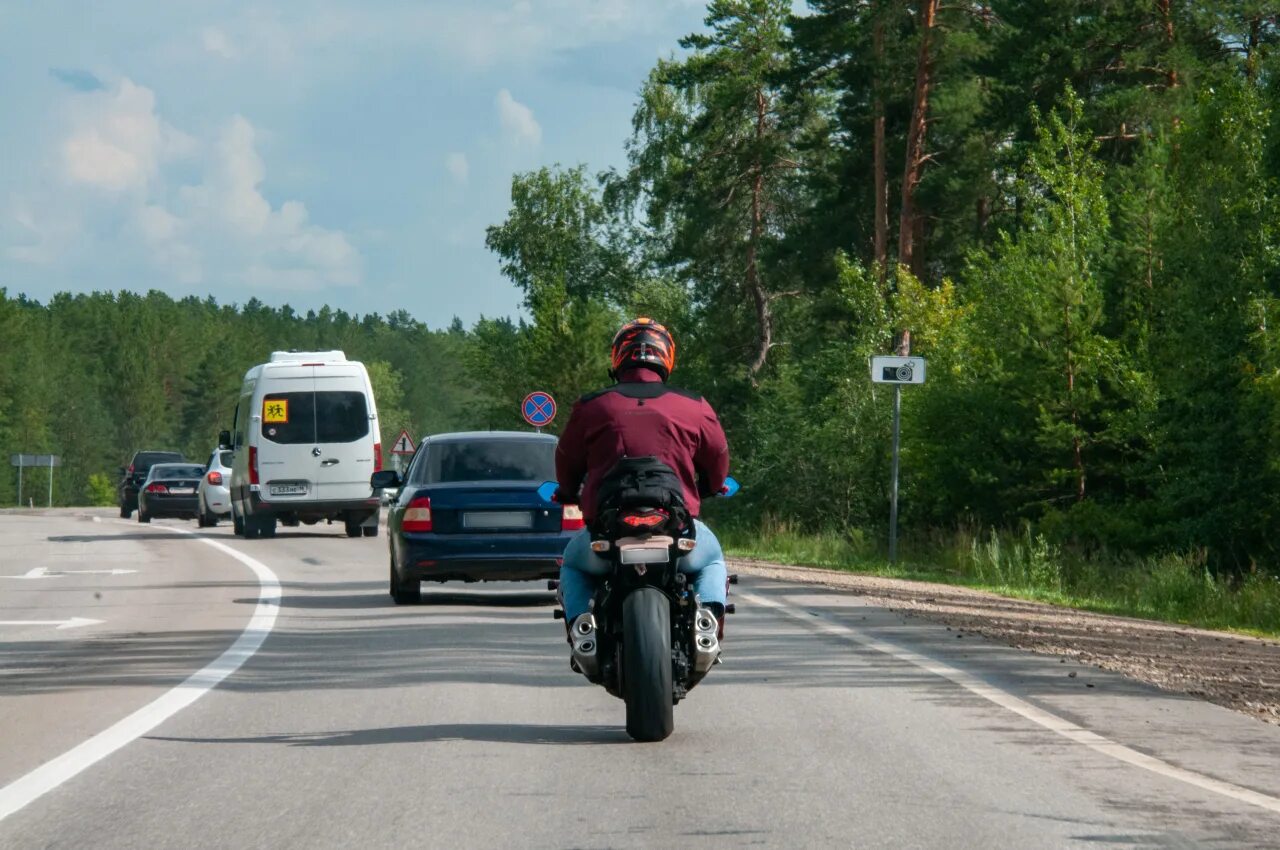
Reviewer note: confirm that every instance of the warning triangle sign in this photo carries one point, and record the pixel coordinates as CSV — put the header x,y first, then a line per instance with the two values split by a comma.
x,y
404,445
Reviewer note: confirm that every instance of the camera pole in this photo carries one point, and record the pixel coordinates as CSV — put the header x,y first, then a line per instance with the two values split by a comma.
x,y
893,486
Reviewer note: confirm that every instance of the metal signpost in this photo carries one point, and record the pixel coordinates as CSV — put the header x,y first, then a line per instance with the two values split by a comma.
x,y
538,409
23,461
896,371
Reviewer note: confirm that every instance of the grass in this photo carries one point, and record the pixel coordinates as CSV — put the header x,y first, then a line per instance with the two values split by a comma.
x,y
1169,588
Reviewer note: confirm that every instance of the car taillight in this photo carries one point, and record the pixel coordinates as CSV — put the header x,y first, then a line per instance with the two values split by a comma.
x,y
130,472
571,519
215,478
644,520
417,517
157,488
253,464
377,456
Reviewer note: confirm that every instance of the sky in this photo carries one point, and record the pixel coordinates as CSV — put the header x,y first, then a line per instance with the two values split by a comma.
x,y
326,152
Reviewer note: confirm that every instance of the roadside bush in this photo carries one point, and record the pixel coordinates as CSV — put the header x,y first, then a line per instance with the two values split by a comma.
x,y
99,491
1176,588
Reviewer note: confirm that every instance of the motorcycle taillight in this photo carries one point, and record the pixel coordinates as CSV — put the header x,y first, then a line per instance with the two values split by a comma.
x,y
645,520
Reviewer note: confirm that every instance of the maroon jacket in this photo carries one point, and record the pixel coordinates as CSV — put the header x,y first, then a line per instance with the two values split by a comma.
x,y
641,416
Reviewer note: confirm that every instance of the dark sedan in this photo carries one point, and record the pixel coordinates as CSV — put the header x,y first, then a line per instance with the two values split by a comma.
x,y
132,477
469,510
170,491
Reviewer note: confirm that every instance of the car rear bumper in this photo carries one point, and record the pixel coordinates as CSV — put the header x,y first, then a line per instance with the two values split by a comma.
x,y
361,508
169,506
217,499
493,557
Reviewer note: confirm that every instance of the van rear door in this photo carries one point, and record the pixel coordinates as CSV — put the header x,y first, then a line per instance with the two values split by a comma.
x,y
344,434
286,419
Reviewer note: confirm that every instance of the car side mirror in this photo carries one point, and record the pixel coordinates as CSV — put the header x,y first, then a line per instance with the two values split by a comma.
x,y
224,439
385,479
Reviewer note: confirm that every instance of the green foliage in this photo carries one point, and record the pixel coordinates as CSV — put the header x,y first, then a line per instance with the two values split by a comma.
x,y
1176,587
95,377
388,393
100,491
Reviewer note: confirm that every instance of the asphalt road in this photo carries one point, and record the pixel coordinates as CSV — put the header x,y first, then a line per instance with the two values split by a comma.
x,y
457,723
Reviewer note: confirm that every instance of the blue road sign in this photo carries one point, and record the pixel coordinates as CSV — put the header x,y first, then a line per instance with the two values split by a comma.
x,y
538,409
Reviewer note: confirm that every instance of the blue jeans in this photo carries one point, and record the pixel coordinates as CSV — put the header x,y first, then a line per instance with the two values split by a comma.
x,y
705,564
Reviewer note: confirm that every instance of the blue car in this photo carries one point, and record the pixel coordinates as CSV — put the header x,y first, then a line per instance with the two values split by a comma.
x,y
469,510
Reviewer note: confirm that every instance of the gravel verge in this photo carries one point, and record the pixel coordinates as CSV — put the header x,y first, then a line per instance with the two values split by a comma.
x,y
1236,671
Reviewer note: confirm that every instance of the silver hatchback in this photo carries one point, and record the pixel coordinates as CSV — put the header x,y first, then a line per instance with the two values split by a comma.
x,y
214,493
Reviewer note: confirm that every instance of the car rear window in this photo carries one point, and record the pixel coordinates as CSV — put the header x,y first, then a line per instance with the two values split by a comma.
x,y
225,458
146,460
164,473
457,461
329,416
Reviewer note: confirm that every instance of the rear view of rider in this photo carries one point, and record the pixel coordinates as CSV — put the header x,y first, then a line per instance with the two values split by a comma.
x,y
641,416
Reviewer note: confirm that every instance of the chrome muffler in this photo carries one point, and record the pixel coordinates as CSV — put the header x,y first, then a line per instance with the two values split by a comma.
x,y
582,636
706,646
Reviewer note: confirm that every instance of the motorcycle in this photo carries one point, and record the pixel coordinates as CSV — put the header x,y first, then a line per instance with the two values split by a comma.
x,y
647,638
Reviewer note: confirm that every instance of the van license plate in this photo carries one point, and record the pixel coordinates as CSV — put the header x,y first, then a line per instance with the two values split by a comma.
x,y
288,489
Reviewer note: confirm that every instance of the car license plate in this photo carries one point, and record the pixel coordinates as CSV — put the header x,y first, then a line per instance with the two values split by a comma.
x,y
182,491
297,489
497,519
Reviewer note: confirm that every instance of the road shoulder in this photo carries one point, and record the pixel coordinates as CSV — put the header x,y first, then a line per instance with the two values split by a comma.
x,y
1235,671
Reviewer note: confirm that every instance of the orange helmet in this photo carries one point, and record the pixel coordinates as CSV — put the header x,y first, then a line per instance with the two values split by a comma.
x,y
643,342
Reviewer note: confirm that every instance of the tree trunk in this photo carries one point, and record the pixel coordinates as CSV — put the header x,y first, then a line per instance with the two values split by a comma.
x,y
1077,453
1166,14
764,311
908,251
881,178
1251,49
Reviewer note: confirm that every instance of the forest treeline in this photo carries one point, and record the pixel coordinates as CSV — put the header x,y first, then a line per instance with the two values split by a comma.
x,y
1070,207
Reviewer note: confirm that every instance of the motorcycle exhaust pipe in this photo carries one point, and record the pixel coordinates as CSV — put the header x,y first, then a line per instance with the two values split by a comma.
x,y
706,647
583,638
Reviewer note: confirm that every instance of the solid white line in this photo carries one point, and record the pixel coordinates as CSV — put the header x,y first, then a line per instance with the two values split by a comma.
x,y
1004,699
51,774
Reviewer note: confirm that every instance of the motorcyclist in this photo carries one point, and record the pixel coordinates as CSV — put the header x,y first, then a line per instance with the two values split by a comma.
x,y
640,415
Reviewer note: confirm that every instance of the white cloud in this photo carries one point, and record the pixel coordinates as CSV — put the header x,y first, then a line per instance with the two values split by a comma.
x,y
215,41
219,228
518,123
118,142
458,166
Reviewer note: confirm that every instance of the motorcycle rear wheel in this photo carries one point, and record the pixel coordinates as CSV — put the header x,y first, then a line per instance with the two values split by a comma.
x,y
646,665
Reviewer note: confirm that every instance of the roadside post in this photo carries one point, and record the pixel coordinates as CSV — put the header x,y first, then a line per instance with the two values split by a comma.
x,y
23,461
403,446
538,409
896,371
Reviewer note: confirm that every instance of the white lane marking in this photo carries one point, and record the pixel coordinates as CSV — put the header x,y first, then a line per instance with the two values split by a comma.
x,y
45,572
72,623
53,773
1006,700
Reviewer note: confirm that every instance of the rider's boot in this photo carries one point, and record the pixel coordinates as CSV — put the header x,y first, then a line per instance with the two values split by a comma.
x,y
717,608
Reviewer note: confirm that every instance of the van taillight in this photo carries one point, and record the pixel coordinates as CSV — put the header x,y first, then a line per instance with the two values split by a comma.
x,y
377,456
253,464
571,519
417,517
215,478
